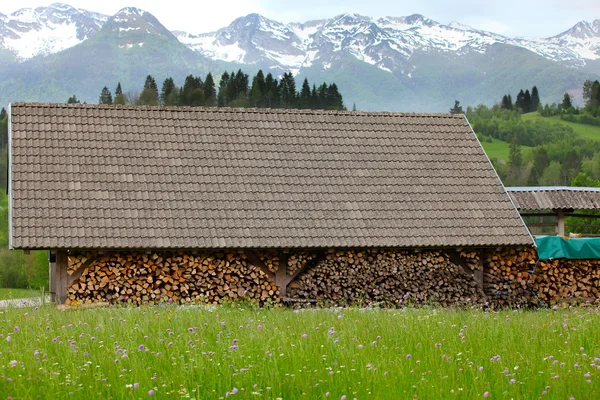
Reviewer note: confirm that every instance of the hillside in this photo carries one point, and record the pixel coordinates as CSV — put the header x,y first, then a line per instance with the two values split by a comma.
x,y
587,131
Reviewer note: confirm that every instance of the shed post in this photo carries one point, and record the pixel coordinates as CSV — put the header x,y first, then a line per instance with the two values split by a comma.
x,y
52,263
59,281
560,221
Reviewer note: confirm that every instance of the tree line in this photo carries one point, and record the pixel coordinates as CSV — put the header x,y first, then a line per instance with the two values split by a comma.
x,y
526,101
234,89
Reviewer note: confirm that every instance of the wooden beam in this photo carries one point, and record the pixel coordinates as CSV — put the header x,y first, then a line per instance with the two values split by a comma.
x,y
257,262
77,274
477,274
61,276
560,223
309,265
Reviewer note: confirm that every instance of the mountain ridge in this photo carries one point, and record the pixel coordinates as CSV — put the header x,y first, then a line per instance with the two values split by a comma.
x,y
409,63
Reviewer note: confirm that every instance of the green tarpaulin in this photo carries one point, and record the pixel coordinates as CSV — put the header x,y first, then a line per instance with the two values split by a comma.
x,y
575,248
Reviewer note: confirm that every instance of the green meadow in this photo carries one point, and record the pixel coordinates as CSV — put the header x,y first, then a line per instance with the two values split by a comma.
x,y
241,352
587,131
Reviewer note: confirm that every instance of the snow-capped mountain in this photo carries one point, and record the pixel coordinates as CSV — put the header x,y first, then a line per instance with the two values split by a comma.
x,y
387,43
409,63
28,32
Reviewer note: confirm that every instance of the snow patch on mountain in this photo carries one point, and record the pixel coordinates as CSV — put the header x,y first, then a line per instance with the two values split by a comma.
x,y
45,30
386,42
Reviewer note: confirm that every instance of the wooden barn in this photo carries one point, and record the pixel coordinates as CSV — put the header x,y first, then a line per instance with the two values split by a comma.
x,y
146,204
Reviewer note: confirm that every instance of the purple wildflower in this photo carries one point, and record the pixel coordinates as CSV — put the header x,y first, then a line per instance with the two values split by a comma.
x,y
13,363
486,394
234,390
150,392
8,338
408,356
140,348
331,331
304,336
259,327
136,385
17,329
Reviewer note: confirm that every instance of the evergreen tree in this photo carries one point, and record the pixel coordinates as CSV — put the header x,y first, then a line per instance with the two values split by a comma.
x,y
535,98
314,98
73,100
566,102
305,99
527,102
3,114
272,96
105,96
210,92
149,95
334,98
224,83
520,101
168,94
119,96
192,93
353,106
258,91
457,109
288,90
506,102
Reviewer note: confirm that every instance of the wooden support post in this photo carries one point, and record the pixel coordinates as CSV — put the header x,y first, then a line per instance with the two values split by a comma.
x,y
52,265
478,276
61,276
281,276
560,222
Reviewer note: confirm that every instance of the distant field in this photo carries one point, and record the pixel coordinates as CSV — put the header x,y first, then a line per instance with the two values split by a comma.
x,y
587,131
499,149
9,294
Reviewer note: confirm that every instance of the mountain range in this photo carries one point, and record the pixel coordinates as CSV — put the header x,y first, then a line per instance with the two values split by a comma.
x,y
409,63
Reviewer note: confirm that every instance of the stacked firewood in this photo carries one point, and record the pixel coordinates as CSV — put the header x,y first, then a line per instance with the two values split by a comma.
x,y
179,276
78,260
271,259
517,277
507,277
560,280
298,260
388,277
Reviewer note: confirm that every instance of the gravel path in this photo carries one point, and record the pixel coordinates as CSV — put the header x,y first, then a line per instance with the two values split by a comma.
x,y
30,302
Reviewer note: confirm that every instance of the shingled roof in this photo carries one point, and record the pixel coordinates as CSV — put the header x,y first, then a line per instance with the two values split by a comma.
x,y
555,198
114,177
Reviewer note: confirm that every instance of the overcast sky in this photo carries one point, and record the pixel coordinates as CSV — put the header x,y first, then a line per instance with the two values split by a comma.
x,y
538,18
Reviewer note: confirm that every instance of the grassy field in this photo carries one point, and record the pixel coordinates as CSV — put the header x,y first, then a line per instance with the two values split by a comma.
x,y
10,294
199,353
499,149
587,131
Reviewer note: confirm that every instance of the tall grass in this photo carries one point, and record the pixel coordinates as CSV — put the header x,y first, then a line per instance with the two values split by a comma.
x,y
195,352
